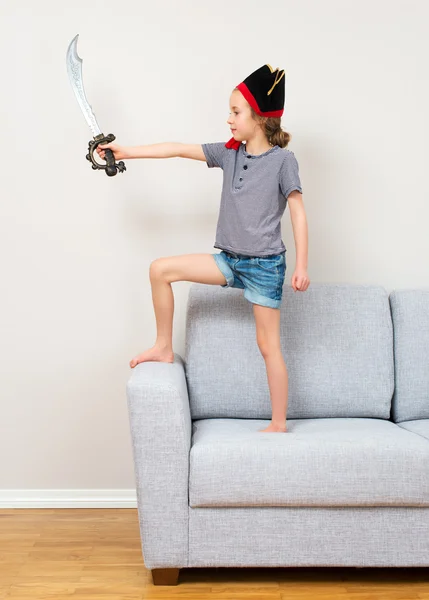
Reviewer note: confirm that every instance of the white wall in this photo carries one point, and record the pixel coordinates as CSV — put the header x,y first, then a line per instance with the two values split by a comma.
x,y
76,245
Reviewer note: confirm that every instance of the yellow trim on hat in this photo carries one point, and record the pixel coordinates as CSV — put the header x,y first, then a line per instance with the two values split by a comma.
x,y
276,81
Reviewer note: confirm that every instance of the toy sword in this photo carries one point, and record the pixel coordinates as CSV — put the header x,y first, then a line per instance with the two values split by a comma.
x,y
74,69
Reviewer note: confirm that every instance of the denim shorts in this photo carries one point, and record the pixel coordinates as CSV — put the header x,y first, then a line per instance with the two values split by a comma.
x,y
261,277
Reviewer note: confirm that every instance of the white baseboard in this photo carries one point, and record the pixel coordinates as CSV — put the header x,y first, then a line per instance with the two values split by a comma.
x,y
68,499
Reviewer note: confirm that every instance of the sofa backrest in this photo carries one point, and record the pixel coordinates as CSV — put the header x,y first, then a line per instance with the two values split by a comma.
x,y
336,340
410,316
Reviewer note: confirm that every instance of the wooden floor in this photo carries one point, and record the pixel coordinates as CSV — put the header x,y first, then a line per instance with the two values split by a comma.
x,y
96,554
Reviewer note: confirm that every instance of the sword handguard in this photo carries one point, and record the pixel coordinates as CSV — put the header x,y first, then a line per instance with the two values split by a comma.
x,y
110,167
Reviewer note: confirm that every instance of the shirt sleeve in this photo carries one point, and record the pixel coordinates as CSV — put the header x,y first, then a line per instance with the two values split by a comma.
x,y
215,154
289,175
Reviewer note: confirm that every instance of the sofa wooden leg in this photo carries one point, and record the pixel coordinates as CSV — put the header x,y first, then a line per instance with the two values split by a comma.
x,y
165,576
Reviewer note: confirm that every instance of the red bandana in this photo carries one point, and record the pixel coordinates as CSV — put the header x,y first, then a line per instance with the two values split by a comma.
x,y
232,143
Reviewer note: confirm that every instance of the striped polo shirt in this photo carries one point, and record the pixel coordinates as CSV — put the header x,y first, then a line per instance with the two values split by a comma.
x,y
254,197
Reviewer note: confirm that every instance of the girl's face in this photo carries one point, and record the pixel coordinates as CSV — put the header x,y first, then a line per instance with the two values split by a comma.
x,y
240,120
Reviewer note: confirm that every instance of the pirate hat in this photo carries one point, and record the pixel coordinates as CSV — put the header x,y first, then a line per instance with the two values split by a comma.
x,y
264,90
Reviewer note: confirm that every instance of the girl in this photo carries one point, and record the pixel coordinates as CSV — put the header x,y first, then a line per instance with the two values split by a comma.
x,y
259,177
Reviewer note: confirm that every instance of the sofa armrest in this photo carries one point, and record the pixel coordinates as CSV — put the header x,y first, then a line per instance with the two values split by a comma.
x,y
161,429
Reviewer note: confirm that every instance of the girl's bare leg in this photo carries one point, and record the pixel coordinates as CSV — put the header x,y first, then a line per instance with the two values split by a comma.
x,y
199,268
267,322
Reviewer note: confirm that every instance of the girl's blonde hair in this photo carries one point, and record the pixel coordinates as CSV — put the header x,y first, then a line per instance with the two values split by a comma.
x,y
272,128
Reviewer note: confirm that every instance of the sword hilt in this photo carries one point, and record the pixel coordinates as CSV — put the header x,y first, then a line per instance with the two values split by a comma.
x,y
110,167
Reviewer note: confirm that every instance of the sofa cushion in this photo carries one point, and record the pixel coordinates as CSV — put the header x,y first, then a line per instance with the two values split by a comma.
x,y
420,427
410,316
319,462
336,339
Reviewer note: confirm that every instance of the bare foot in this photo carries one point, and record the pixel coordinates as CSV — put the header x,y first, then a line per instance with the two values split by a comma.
x,y
154,353
272,428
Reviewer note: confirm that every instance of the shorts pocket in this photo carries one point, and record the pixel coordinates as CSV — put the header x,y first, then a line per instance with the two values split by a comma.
x,y
270,263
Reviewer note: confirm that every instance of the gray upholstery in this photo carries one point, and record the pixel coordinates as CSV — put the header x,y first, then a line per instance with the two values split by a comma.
x,y
347,485
161,425
336,341
309,536
410,314
421,427
320,462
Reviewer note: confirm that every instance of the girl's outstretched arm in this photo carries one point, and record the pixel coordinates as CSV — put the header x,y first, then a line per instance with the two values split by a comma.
x,y
161,150
167,150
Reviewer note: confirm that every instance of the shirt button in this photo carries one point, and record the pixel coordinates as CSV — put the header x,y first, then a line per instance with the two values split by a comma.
x,y
241,179
245,167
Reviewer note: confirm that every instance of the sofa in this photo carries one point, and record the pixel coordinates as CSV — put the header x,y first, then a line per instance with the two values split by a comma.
x,y
347,485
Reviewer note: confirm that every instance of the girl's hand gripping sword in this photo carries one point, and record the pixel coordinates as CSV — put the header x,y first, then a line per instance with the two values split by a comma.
x,y
74,69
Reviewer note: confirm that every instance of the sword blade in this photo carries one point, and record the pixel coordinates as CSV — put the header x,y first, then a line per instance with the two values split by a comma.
x,y
74,70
